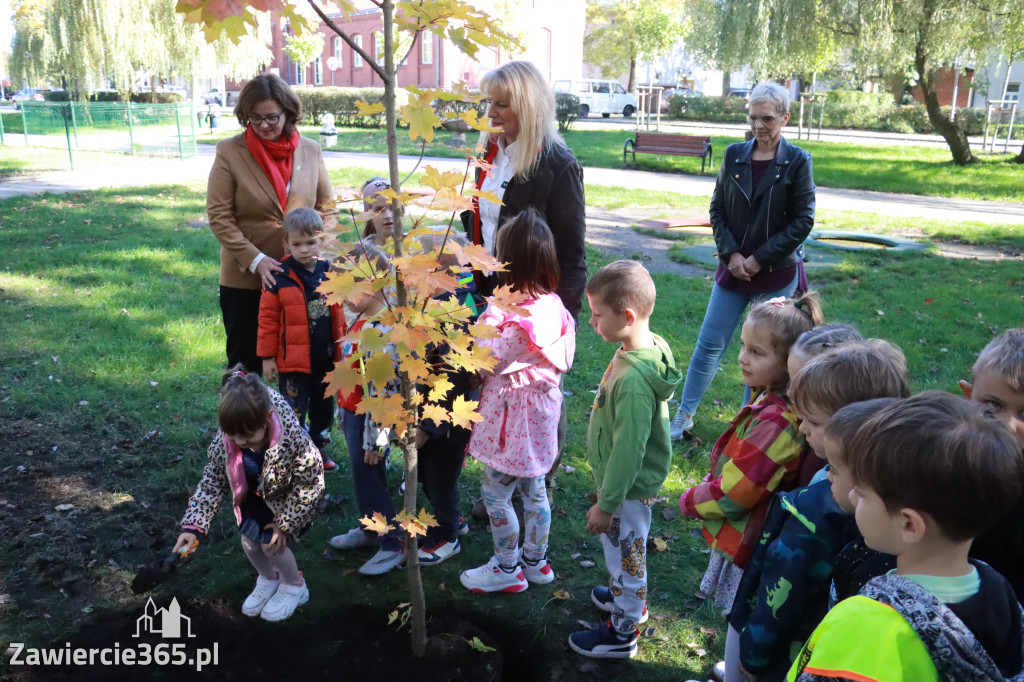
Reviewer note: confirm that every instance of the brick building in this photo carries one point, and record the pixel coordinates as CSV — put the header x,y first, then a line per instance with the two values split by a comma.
x,y
552,32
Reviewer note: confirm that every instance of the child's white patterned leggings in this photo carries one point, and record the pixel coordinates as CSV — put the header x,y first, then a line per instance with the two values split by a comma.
x,y
625,554
497,490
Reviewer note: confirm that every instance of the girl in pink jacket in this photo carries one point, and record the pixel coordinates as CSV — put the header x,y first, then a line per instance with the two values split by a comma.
x,y
521,402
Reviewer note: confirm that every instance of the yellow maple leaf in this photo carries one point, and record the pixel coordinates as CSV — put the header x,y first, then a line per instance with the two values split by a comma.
x,y
476,122
659,544
371,339
389,411
366,109
479,258
416,367
489,196
421,119
436,179
378,523
379,368
415,525
464,412
509,300
450,201
439,387
438,414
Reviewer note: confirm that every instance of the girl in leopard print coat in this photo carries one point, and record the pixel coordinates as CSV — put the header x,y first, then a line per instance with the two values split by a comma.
x,y
263,458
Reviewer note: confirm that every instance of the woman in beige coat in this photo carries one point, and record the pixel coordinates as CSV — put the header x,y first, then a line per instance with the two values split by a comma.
x,y
257,177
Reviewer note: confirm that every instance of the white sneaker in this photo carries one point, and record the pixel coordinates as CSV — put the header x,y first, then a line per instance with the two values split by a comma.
x,y
285,601
382,562
680,425
491,577
354,539
539,573
265,589
438,552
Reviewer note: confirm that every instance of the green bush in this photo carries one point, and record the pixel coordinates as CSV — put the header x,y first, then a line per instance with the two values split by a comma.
x,y
157,97
106,96
56,96
567,109
710,109
317,101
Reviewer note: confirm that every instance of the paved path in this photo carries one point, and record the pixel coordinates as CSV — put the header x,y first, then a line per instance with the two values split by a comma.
x,y
136,173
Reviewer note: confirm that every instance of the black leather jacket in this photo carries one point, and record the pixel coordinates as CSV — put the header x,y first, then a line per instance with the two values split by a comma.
x,y
555,189
770,221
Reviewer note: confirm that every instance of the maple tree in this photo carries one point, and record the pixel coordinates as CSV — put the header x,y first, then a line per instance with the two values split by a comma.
x,y
414,318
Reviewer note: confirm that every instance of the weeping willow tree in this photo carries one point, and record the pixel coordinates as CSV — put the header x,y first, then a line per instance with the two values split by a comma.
x,y
82,43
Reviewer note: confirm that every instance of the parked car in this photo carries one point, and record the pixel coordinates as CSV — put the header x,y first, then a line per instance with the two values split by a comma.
x,y
669,93
215,96
603,97
740,92
27,94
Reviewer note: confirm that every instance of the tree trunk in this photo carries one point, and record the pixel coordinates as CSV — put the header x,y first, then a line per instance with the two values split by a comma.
x,y
631,87
726,83
956,138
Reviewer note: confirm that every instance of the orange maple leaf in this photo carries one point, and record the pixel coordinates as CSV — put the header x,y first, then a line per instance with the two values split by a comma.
x,y
415,525
344,378
509,300
378,523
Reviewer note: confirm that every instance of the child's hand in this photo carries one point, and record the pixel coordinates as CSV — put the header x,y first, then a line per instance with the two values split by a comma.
x,y
279,542
186,539
598,520
372,458
270,369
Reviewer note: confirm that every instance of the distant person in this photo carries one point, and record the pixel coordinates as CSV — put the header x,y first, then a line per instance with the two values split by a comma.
x,y
257,177
299,333
929,474
629,451
762,210
263,462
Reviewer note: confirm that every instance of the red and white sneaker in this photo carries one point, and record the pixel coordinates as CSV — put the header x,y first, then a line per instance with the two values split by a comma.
x,y
539,572
491,577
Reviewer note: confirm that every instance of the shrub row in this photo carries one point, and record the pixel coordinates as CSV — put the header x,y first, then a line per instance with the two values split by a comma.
x,y
317,101
843,109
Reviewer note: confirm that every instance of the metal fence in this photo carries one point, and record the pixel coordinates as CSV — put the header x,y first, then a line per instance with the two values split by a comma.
x,y
126,127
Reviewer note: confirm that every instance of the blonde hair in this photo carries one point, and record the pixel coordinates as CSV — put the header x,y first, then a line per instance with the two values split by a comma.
x,y
532,100
624,284
1004,357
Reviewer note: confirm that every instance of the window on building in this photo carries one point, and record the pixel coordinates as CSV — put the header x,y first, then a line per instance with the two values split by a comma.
x,y
1013,91
318,71
426,48
378,47
357,59
337,52
300,74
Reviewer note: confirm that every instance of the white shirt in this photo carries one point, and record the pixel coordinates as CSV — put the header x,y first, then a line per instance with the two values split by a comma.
x,y
496,180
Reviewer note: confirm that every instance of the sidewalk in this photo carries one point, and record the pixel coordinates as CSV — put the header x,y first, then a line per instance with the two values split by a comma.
x,y
170,172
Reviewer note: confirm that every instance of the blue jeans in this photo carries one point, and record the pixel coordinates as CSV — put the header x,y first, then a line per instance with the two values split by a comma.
x,y
370,483
720,322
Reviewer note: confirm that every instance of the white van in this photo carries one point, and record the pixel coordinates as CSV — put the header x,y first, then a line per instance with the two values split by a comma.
x,y
599,96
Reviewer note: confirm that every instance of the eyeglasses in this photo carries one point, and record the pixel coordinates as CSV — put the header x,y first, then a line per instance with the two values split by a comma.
x,y
271,120
764,120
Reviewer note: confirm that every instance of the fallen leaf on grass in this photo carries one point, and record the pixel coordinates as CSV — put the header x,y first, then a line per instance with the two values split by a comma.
x,y
562,594
64,507
659,544
587,564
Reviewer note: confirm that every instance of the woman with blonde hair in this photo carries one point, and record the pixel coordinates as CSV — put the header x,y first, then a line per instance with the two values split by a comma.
x,y
532,167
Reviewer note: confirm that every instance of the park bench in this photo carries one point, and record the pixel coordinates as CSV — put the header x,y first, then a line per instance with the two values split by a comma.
x,y
667,143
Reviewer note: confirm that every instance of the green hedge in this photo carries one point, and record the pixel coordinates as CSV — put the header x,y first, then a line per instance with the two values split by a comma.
x,y
851,109
56,96
105,96
317,101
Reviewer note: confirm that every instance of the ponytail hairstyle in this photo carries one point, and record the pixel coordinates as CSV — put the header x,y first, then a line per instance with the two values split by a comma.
x,y
244,402
526,245
787,318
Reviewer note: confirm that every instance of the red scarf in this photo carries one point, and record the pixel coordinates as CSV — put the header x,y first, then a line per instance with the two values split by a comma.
x,y
275,158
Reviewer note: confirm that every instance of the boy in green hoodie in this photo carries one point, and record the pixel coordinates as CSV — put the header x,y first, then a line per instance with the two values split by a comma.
x,y
628,448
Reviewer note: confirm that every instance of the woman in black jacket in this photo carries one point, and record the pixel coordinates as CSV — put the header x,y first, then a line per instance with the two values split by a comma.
x,y
762,209
531,167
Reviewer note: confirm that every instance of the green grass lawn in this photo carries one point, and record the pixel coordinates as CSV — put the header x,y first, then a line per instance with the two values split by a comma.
x,y
882,168
111,354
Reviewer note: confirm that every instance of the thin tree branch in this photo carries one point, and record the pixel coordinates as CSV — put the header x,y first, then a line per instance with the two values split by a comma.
x,y
378,69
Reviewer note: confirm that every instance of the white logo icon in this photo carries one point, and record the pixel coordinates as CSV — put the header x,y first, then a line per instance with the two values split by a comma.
x,y
164,622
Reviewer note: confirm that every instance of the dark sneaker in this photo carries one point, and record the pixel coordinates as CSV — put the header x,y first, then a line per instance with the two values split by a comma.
x,y
463,526
438,552
605,600
604,642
